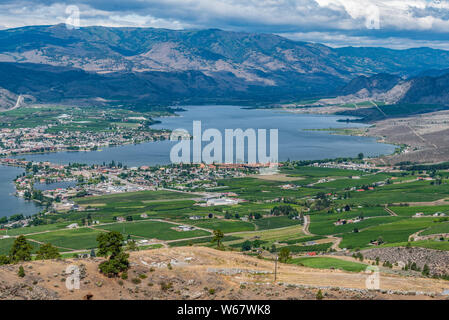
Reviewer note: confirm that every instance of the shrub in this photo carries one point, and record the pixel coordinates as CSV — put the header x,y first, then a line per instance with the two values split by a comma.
x,y
21,272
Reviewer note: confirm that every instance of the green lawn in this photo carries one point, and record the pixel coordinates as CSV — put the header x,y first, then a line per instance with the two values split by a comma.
x,y
329,263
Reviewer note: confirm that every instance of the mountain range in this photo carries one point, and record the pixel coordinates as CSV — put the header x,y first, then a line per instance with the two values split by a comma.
x,y
148,66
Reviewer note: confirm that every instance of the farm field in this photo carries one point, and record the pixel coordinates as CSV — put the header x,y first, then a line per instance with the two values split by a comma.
x,y
438,227
398,231
275,223
76,239
227,226
136,197
5,245
153,230
393,226
409,211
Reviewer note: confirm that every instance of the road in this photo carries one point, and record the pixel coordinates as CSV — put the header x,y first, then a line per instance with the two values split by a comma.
x,y
306,225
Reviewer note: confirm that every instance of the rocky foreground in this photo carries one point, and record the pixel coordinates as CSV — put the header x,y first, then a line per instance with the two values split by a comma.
x,y
436,260
203,273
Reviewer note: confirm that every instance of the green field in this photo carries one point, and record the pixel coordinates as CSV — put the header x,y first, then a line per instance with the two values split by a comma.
x,y
314,248
275,222
329,263
153,230
225,226
5,245
398,231
137,197
77,239
436,228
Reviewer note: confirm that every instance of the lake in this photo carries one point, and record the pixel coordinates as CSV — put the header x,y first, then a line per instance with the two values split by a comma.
x,y
294,142
10,203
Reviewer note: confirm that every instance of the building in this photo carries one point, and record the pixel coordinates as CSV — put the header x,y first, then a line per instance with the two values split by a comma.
x,y
221,202
186,228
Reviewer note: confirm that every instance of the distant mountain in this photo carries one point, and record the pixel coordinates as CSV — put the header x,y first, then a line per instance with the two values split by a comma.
x,y
160,66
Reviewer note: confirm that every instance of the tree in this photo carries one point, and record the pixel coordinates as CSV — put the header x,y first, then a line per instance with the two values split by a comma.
x,y
218,236
361,156
114,266
380,240
20,250
47,251
110,244
132,246
319,295
426,270
246,245
4,260
284,255
21,272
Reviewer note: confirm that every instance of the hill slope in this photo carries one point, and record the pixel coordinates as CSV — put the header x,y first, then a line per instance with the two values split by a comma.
x,y
166,66
195,271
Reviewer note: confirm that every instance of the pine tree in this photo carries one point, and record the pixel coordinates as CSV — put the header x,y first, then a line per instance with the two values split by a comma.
x,y
20,250
21,272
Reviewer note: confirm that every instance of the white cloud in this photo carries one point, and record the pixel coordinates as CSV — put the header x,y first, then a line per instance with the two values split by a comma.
x,y
350,20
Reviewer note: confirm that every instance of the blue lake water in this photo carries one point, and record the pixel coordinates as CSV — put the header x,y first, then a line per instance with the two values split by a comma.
x,y
10,204
294,142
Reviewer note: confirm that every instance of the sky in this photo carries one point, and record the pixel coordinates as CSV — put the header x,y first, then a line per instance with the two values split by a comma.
x,y
395,24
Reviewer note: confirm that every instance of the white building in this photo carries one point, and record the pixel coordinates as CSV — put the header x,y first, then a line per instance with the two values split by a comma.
x,y
222,202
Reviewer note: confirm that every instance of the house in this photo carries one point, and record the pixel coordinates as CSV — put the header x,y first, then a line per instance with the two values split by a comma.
x,y
439,214
195,217
121,219
419,214
72,226
144,215
186,228
221,202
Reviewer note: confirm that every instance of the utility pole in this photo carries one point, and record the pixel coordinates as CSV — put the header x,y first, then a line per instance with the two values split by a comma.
x,y
275,268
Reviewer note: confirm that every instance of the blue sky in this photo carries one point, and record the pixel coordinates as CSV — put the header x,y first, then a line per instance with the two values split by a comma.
x,y
394,23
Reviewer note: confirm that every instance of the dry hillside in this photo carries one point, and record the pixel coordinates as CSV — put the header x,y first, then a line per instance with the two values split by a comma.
x,y
204,273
